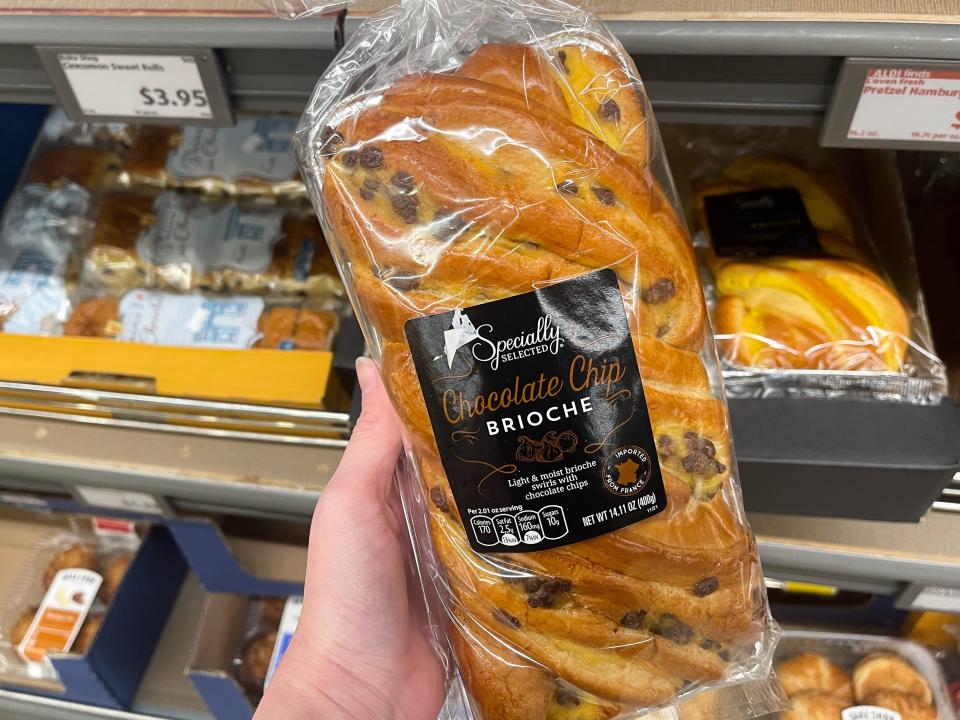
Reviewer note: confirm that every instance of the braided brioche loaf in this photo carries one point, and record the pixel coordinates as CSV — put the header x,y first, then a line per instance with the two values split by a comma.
x,y
829,313
520,169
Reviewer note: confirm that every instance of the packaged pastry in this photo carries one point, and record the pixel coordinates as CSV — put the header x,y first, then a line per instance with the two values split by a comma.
x,y
270,627
493,187
800,298
235,322
39,233
58,597
182,242
89,167
254,157
853,677
59,130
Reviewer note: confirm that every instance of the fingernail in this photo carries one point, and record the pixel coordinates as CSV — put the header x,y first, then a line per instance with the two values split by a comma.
x,y
366,373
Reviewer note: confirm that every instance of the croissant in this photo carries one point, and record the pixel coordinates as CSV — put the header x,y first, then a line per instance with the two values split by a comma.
x,y
521,169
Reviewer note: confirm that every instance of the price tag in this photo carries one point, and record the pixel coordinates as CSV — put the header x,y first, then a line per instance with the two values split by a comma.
x,y
930,597
128,500
146,85
898,104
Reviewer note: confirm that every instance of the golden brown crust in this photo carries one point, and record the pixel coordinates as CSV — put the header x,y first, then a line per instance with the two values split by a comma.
x,y
809,671
295,328
814,705
147,158
91,168
909,707
18,631
94,317
87,634
884,671
114,570
74,556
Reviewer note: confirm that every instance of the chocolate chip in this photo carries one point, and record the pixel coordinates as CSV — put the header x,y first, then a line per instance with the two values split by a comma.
x,y
609,111
706,586
349,158
447,225
568,187
558,585
721,468
439,499
697,463
566,697
666,446
659,292
404,284
633,619
662,330
563,61
402,180
698,443
724,655
541,599
506,618
329,139
604,195
406,207
369,188
371,157
531,585
673,628
708,644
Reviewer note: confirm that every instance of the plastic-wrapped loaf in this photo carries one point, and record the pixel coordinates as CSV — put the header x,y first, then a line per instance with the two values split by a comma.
x,y
182,242
493,184
253,157
803,288
38,234
196,320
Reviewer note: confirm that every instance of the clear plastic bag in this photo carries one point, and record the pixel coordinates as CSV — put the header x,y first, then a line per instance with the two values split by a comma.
x,y
800,296
38,235
251,158
493,184
230,322
183,242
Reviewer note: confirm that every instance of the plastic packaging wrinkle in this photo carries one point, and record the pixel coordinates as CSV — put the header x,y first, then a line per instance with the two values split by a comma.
x,y
493,186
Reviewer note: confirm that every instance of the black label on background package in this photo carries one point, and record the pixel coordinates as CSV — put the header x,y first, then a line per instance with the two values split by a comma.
x,y
760,223
539,414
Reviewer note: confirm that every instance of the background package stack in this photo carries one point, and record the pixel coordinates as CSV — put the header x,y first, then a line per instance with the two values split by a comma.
x,y
202,240
809,265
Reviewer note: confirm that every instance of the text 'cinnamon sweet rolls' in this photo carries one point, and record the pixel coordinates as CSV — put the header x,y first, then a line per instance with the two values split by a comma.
x,y
492,181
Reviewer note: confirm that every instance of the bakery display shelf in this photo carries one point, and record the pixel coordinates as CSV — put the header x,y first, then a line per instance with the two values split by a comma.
x,y
264,475
23,706
695,70
858,554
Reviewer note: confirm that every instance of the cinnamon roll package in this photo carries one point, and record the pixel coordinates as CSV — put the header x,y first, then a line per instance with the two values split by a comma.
x,y
813,284
493,185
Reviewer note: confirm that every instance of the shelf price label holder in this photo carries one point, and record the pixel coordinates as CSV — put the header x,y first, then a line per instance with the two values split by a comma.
x,y
142,84
895,104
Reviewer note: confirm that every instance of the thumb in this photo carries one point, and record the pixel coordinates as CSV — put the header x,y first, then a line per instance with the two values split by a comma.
x,y
374,447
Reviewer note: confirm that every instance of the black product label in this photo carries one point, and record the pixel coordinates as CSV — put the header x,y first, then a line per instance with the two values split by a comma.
x,y
539,414
760,223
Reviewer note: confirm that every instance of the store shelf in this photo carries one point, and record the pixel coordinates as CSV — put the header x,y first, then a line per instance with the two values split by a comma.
x,y
22,706
271,476
702,70
859,554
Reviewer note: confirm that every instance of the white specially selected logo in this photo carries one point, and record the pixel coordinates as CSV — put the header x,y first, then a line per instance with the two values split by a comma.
x,y
461,332
544,339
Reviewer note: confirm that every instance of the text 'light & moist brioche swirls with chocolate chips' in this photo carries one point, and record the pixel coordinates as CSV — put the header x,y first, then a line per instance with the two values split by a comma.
x,y
492,182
